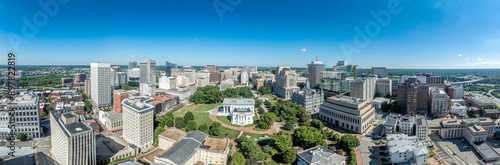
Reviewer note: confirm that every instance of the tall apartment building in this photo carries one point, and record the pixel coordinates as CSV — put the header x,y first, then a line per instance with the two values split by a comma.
x,y
138,122
363,88
168,68
80,77
211,68
310,99
413,96
347,112
102,84
456,92
381,72
314,70
440,102
73,142
87,86
26,106
147,72
132,65
118,97
383,87
190,73
286,82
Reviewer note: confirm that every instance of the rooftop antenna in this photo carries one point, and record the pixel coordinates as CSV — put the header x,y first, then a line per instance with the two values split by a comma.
x,y
316,58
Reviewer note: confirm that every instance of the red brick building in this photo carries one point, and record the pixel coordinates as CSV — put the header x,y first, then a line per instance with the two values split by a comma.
x,y
413,96
118,97
215,77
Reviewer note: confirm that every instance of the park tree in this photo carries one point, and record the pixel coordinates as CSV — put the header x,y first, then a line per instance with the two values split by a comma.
x,y
249,148
43,114
258,102
215,129
349,141
203,127
170,122
267,119
169,115
336,137
188,116
317,124
282,140
157,132
288,126
191,126
231,93
304,117
179,122
307,135
238,159
49,108
290,155
261,110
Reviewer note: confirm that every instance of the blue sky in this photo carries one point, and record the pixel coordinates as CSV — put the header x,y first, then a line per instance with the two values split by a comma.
x,y
421,34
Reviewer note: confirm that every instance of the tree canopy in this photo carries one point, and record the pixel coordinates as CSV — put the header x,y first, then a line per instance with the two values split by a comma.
x,y
249,148
267,120
238,159
282,140
349,141
308,135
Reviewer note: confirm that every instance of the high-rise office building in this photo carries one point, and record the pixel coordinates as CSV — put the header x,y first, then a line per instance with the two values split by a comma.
x,y
286,82
314,70
132,65
349,113
102,84
384,87
456,92
244,77
339,79
168,68
440,102
138,122
120,78
80,77
381,72
413,96
87,86
147,71
133,75
363,88
27,112
190,73
73,142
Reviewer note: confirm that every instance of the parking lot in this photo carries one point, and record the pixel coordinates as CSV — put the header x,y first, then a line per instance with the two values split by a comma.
x,y
462,150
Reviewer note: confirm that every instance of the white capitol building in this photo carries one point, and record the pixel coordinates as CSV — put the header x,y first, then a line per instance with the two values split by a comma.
x,y
241,110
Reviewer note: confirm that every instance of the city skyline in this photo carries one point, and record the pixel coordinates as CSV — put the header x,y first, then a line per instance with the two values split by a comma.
x,y
431,35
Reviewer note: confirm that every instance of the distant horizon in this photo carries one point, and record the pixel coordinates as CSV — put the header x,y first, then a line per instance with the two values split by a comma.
x,y
275,67
394,33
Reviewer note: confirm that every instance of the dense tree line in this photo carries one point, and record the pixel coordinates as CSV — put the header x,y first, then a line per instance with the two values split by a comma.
x,y
212,94
48,81
264,90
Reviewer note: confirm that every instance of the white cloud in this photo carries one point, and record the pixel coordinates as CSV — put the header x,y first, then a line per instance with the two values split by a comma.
x,y
459,55
131,56
466,58
304,50
479,59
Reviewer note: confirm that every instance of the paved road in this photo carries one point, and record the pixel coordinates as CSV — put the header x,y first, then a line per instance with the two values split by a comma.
x,y
365,146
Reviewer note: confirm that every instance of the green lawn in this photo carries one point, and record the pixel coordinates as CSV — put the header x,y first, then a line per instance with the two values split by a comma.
x,y
202,118
259,129
206,107
183,110
226,120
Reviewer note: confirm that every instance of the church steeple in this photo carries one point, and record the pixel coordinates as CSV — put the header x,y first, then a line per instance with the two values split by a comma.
x,y
307,84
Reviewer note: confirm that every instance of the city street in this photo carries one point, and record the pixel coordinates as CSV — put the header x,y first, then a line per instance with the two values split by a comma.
x,y
367,153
